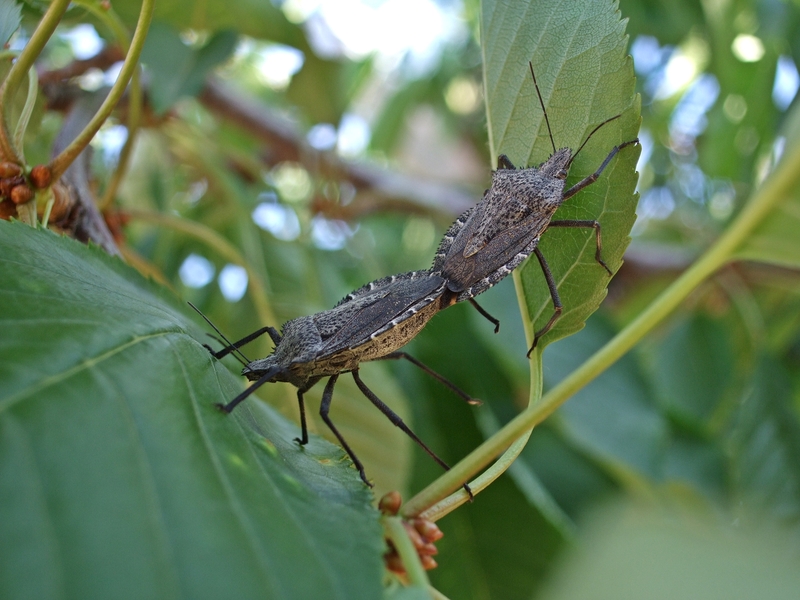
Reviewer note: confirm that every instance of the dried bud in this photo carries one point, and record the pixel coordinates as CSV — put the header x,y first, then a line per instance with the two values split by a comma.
x,y
21,194
429,530
9,183
393,563
9,169
390,503
413,535
40,176
428,563
7,210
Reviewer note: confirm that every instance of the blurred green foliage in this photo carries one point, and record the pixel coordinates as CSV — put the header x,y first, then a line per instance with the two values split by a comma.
x,y
702,418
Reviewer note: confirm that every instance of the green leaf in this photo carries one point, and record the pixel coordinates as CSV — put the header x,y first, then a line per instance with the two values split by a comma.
x,y
10,18
256,18
178,70
119,478
695,368
578,53
641,552
764,446
614,419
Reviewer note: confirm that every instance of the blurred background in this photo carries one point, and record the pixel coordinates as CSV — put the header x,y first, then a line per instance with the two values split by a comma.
x,y
293,151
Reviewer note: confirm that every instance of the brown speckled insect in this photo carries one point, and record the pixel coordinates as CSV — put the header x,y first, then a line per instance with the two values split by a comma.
x,y
371,323
495,236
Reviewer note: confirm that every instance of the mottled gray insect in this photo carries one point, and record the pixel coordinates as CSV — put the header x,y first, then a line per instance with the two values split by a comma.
x,y
371,323
494,237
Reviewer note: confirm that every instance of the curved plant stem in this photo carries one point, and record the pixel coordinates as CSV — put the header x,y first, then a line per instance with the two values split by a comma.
x,y
776,188
22,65
436,594
220,245
61,162
501,465
110,19
134,117
25,116
405,548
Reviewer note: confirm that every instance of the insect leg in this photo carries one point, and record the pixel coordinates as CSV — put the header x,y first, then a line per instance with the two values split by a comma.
x,y
398,422
303,439
593,177
273,333
467,398
261,381
486,315
504,163
548,275
593,224
324,407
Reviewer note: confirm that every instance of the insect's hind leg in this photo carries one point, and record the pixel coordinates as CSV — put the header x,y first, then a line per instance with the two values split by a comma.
x,y
485,314
398,422
464,395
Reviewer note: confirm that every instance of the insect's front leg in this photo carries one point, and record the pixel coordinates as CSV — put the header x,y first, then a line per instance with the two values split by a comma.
x,y
398,422
593,177
273,333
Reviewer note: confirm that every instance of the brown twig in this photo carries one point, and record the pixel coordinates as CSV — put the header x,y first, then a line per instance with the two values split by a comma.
x,y
376,187
84,221
104,59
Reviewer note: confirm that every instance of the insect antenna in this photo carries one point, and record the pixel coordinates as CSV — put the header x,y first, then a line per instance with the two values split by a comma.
x,y
544,111
241,357
588,137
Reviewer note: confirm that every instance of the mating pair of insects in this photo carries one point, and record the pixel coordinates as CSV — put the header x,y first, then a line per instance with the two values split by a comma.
x,y
482,247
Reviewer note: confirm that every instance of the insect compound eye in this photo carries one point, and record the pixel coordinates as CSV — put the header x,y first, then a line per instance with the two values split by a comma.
x,y
562,174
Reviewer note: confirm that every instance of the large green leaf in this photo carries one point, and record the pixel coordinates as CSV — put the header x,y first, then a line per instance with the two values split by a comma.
x,y
119,478
578,52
